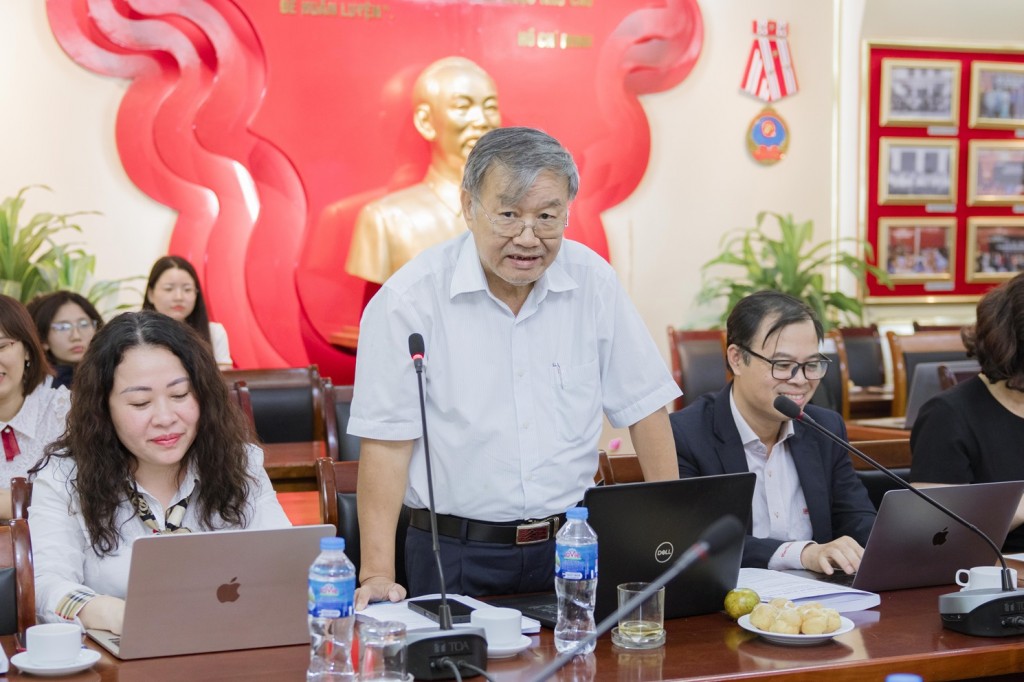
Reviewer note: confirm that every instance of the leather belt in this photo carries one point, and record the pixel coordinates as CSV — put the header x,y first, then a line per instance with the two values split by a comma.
x,y
527,532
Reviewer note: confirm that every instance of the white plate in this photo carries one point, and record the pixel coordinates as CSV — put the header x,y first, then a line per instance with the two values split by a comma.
x,y
508,651
86,659
845,625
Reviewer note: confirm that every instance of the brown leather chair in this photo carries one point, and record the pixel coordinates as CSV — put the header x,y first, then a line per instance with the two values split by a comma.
x,y
239,392
918,327
619,468
336,485
864,355
21,496
950,377
337,415
909,350
288,404
698,362
834,389
17,581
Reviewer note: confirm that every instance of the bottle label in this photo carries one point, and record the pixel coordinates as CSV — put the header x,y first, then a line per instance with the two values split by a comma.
x,y
576,562
331,598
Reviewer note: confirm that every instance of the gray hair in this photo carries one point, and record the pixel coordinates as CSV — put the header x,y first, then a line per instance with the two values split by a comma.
x,y
524,153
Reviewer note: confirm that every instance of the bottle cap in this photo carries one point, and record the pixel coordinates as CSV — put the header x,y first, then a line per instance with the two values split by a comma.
x,y
333,544
578,513
903,677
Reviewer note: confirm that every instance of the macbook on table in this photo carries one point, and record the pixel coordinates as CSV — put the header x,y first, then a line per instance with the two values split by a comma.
x,y
199,592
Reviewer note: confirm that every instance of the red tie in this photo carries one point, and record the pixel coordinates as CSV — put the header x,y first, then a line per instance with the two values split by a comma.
x,y
11,449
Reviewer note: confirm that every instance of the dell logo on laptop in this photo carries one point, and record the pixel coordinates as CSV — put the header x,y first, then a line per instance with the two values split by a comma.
x,y
664,552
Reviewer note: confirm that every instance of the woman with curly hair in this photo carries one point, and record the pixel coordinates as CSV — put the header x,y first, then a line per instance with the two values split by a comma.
x,y
972,433
173,289
31,414
66,323
153,445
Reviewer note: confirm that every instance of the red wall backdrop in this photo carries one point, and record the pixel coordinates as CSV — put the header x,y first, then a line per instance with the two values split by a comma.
x,y
249,117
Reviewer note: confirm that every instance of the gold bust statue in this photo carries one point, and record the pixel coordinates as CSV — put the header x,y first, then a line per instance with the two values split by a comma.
x,y
455,102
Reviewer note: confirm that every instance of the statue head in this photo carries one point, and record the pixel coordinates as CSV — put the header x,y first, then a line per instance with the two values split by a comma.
x,y
456,103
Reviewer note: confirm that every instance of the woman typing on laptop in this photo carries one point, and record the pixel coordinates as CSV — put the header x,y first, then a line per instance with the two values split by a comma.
x,y
153,445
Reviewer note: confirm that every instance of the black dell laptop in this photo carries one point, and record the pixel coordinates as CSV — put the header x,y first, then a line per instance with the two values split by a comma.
x,y
643,527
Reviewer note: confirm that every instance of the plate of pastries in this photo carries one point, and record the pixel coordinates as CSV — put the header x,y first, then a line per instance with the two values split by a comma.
x,y
782,622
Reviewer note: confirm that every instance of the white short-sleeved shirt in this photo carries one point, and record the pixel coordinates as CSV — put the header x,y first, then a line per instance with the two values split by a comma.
x,y
219,341
64,559
41,420
514,402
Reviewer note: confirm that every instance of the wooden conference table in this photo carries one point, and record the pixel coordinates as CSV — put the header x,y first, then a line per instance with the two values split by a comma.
x,y
903,634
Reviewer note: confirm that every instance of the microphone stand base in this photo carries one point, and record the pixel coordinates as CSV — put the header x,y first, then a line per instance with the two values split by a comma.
x,y
983,613
425,648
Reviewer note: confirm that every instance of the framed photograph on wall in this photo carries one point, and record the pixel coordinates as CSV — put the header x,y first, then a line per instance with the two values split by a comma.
x,y
995,172
914,250
917,170
920,92
995,248
997,95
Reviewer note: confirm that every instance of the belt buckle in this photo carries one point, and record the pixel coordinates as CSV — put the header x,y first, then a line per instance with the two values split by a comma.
x,y
532,533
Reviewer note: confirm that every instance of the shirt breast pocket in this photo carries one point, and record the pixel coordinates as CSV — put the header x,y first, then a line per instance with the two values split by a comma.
x,y
577,404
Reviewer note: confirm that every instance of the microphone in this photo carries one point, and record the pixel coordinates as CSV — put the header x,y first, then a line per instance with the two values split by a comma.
x,y
983,613
439,655
719,535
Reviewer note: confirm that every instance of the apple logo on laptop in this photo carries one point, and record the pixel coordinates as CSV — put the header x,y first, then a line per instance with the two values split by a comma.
x,y
664,552
228,591
940,537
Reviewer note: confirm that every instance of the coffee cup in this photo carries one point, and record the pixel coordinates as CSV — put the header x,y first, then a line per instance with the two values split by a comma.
x,y
503,627
983,577
53,644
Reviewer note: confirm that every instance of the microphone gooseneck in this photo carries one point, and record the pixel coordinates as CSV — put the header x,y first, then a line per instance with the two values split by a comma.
x,y
790,409
718,536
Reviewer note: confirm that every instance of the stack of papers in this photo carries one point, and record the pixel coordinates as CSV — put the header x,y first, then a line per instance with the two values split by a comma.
x,y
401,612
773,584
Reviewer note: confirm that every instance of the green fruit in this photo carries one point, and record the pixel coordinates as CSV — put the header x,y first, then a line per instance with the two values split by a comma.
x,y
740,602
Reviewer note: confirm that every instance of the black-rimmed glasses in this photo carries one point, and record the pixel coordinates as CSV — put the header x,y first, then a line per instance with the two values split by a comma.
x,y
785,370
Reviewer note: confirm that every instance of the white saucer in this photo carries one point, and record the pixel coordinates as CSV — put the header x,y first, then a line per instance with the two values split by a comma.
x,y
86,659
845,625
508,651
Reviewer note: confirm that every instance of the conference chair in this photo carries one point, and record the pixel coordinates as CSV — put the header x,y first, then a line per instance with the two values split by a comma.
x,y
918,327
834,389
21,496
239,392
336,485
619,468
698,362
909,350
893,454
17,582
337,415
864,355
951,375
288,404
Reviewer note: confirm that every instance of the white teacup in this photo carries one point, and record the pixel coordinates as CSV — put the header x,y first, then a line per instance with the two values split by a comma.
x,y
502,627
983,577
53,644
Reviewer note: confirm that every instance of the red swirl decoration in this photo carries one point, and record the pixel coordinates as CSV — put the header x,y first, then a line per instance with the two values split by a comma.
x,y
249,117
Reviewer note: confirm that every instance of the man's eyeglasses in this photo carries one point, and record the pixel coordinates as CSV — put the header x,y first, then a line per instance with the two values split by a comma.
x,y
545,226
785,370
66,327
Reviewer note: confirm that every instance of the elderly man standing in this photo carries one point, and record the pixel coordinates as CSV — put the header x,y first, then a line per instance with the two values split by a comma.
x,y
529,339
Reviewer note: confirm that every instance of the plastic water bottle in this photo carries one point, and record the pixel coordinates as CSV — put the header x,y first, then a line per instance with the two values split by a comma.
x,y
575,581
332,583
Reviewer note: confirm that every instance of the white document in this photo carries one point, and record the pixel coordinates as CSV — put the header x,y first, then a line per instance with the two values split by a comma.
x,y
772,584
401,612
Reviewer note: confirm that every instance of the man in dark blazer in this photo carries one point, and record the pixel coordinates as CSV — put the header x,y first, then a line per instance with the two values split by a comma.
x,y
809,510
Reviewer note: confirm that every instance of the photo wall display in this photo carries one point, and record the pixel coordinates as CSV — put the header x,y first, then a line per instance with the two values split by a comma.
x,y
943,168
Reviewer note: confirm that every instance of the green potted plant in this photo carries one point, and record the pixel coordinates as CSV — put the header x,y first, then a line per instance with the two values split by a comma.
x,y
789,263
32,263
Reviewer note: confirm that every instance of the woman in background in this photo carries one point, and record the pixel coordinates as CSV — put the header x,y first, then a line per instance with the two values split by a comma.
x,y
154,445
972,432
66,323
173,289
32,415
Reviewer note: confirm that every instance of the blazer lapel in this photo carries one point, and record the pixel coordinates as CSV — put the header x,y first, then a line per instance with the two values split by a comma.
x,y
803,448
728,446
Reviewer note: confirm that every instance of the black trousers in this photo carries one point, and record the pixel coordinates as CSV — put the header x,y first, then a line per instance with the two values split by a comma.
x,y
478,569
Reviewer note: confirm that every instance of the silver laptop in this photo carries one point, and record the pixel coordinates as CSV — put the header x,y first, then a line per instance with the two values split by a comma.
x,y
913,544
199,592
923,387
